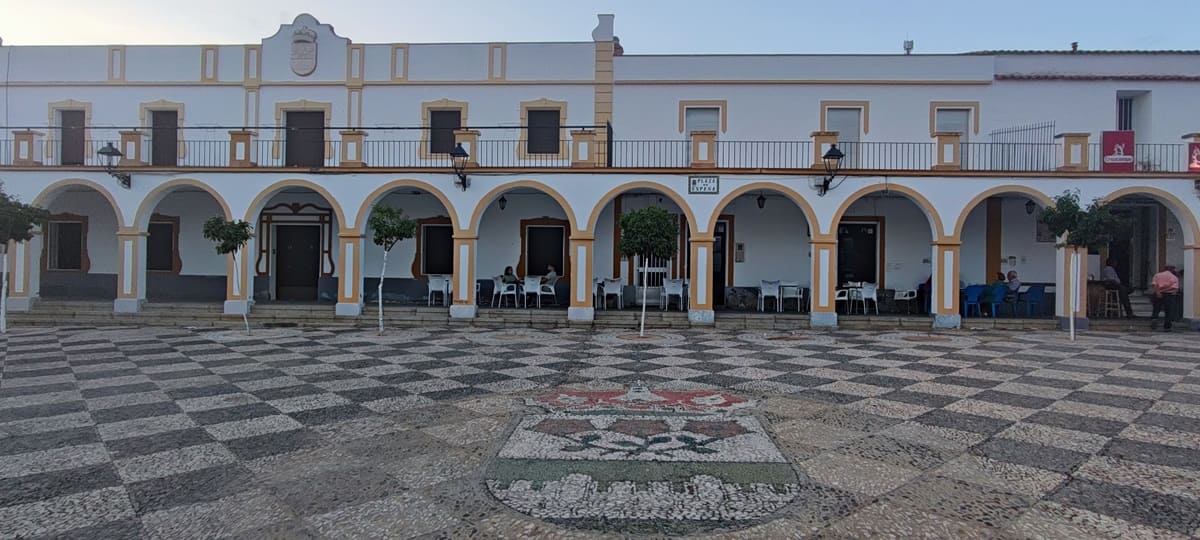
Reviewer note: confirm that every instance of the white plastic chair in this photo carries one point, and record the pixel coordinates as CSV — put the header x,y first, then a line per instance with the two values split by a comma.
x,y
790,291
437,285
768,289
842,295
532,285
908,297
500,289
612,287
673,287
869,292
547,289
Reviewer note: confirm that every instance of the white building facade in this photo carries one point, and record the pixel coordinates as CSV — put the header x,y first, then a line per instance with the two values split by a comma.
x,y
947,158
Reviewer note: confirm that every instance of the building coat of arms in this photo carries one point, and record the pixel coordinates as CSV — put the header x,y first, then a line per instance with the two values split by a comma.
x,y
304,51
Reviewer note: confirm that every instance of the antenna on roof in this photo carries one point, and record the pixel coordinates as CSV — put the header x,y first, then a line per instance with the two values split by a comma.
x,y
908,46
1074,46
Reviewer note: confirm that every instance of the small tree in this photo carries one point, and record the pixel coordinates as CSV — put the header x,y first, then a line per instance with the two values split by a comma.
x,y
649,232
390,226
17,221
231,238
1094,227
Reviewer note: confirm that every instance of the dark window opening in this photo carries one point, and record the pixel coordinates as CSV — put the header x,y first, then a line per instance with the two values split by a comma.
x,y
164,138
858,252
545,245
66,245
437,250
305,144
441,130
71,149
543,126
1125,114
160,247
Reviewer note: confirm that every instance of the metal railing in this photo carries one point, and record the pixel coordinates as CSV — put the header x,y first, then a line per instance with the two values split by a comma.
x,y
505,147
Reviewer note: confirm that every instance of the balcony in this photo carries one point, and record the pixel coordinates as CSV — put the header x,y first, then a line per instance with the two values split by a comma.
x,y
585,147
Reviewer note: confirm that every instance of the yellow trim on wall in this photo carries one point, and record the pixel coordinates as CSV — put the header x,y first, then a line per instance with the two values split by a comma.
x,y
930,211
264,196
864,106
47,195
1037,196
206,67
497,72
613,193
116,64
369,203
145,120
1176,206
428,107
402,73
354,107
935,105
352,65
543,104
721,104
283,107
496,192
252,64
152,199
806,209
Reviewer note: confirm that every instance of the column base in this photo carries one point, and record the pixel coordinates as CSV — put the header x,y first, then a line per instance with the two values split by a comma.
x,y
458,311
823,319
348,309
128,305
1192,324
1064,323
701,316
945,322
583,314
237,307
21,304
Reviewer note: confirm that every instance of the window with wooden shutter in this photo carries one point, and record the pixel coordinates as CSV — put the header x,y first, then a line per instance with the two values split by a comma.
x,y
441,130
543,128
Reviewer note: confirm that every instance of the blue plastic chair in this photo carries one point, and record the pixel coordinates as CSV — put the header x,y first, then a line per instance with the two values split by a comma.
x,y
1033,297
997,295
971,298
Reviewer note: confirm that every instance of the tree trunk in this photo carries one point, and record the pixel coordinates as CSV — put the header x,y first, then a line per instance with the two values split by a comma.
x,y
1075,268
237,271
642,330
4,292
379,291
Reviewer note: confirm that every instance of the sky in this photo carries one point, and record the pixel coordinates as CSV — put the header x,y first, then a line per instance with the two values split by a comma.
x,y
644,26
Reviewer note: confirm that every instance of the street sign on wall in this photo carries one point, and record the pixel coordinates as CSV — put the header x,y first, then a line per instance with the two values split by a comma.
x,y
704,184
1116,152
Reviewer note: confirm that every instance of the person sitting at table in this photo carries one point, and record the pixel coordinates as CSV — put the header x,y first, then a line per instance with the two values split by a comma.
x,y
551,275
1000,279
508,276
1112,282
1014,284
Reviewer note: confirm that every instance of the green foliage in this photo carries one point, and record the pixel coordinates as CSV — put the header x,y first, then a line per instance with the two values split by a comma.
x,y
1093,227
18,219
390,225
229,235
649,231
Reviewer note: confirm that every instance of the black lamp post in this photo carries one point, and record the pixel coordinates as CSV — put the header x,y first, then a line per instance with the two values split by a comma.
x,y
1030,206
110,157
503,202
459,157
833,162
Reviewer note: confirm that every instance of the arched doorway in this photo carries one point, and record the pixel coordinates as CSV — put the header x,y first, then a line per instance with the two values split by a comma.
x,y
526,226
411,262
1003,238
605,223
76,256
884,236
762,233
180,264
293,256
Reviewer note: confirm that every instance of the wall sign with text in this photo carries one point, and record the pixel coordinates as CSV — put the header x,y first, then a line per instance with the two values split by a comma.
x,y
1116,152
704,184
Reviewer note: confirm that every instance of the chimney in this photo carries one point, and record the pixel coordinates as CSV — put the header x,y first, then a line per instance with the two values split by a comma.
x,y
604,29
1074,46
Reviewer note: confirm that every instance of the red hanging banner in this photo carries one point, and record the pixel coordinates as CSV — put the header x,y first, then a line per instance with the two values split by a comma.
x,y
1194,157
1116,152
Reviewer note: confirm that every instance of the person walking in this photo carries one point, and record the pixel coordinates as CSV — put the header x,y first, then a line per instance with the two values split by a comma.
x,y
1165,286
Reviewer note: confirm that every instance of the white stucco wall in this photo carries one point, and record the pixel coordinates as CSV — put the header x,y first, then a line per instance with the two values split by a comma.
x,y
400,260
101,228
500,232
907,237
198,255
775,238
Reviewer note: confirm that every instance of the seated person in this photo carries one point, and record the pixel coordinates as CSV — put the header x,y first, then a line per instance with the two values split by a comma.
x,y
1112,282
551,275
508,276
1014,284
999,279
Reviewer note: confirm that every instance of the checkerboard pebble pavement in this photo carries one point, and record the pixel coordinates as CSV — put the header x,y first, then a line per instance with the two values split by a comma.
x,y
170,433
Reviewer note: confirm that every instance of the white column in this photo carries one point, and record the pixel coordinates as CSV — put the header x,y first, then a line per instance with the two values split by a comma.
x,y
131,272
464,306
22,273
349,257
581,308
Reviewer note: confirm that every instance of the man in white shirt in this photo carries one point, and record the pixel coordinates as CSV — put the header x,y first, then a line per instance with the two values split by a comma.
x,y
1112,282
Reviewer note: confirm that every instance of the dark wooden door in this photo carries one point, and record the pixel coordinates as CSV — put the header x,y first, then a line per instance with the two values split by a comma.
x,y
305,144
71,150
164,138
297,262
858,253
720,264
